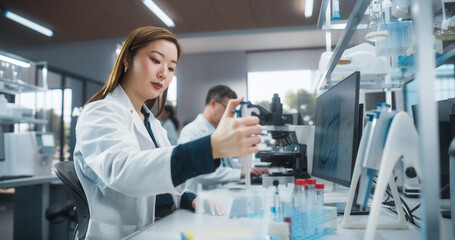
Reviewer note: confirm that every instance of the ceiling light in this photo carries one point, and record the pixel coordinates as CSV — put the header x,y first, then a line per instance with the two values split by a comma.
x,y
158,12
308,8
14,61
28,23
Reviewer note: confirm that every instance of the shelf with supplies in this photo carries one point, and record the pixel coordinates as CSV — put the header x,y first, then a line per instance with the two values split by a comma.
x,y
19,86
350,27
391,69
417,26
20,76
25,150
12,120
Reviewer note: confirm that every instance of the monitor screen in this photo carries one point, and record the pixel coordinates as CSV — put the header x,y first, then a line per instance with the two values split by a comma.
x,y
337,131
446,127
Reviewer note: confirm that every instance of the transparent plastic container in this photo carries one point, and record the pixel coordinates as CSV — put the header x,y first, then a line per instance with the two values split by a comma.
x,y
251,214
311,207
319,207
315,221
300,209
399,40
236,214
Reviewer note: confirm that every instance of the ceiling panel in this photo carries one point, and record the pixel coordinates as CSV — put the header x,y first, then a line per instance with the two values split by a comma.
x,y
235,14
88,20
198,15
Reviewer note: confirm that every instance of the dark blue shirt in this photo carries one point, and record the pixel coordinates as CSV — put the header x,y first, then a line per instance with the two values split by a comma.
x,y
187,160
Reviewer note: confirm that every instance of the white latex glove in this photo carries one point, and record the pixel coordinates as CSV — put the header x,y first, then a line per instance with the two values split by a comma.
x,y
235,137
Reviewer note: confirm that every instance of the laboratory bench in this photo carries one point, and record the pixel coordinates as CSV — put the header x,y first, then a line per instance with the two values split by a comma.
x,y
171,226
27,181
32,197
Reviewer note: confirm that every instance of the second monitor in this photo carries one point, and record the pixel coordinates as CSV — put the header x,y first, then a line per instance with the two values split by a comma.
x,y
338,129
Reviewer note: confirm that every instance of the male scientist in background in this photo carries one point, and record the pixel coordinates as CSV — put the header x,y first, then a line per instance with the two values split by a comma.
x,y
205,124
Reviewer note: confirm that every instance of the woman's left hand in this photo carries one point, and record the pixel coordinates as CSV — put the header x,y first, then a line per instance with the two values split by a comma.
x,y
193,204
212,206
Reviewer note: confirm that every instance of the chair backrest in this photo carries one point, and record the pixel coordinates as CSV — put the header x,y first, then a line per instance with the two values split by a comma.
x,y
67,174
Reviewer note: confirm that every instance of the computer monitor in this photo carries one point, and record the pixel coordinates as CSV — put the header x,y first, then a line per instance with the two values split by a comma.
x,y
446,127
337,134
371,98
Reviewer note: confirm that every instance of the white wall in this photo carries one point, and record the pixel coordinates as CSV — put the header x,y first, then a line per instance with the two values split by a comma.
x,y
197,73
93,60
284,60
257,40
207,60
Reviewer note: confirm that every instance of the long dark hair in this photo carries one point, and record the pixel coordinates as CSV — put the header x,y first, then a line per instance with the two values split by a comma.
x,y
172,116
139,38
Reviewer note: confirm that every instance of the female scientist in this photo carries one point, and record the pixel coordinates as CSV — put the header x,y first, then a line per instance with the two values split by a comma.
x,y
122,155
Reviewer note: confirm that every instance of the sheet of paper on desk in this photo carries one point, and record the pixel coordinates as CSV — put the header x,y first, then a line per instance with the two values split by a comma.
x,y
219,234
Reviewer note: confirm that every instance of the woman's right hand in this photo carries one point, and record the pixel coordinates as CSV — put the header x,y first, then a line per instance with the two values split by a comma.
x,y
235,137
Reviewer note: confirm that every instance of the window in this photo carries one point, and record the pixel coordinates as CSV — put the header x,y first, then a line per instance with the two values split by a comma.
x,y
172,93
294,88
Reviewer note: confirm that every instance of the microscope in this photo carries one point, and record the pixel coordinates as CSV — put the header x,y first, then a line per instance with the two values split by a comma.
x,y
292,148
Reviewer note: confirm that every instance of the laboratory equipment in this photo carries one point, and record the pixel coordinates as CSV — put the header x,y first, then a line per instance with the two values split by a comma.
x,y
319,206
376,32
17,111
374,147
371,97
357,58
446,128
338,129
311,220
399,40
248,215
3,103
300,206
287,206
452,184
335,9
401,9
292,157
446,31
391,137
292,148
411,181
27,153
310,203
246,162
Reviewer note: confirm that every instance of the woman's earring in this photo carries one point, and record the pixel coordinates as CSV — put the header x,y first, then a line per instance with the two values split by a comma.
x,y
126,68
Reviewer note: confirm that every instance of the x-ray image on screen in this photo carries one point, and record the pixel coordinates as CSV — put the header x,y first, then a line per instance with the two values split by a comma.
x,y
336,133
330,127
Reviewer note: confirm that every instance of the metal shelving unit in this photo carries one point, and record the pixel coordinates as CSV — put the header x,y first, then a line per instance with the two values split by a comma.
x,y
351,27
14,120
16,87
19,86
423,71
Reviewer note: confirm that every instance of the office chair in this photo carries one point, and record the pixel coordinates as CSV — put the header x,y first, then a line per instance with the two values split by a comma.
x,y
67,174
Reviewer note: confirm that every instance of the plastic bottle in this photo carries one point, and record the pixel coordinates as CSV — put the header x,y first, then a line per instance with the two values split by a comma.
x,y
298,224
3,103
335,9
311,194
286,203
319,208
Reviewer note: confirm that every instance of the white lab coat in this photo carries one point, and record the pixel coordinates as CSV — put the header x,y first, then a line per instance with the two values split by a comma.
x,y
171,130
119,167
198,128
